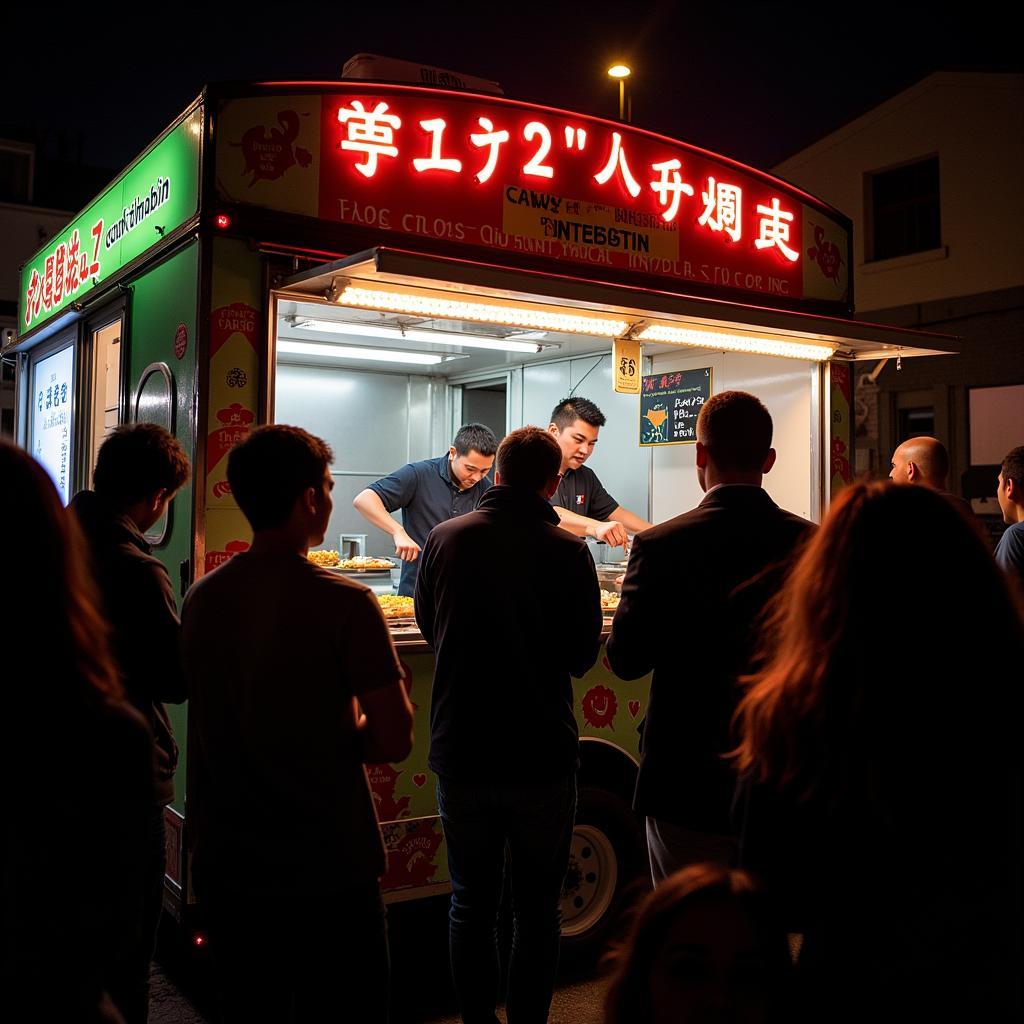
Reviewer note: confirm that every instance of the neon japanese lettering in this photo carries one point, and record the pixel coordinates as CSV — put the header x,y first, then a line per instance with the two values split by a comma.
x,y
371,132
617,157
723,208
488,137
436,162
671,182
774,229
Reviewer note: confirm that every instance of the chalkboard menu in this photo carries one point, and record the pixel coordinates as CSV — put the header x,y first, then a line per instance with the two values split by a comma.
x,y
670,404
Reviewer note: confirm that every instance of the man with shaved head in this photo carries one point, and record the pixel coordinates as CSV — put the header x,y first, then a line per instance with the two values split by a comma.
x,y
921,460
924,461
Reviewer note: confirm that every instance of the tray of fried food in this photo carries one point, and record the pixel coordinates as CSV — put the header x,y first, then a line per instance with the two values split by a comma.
x,y
396,608
325,559
609,600
365,563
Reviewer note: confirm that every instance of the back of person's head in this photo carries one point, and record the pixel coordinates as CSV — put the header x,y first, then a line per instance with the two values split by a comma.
x,y
47,572
569,410
1013,466
138,460
736,429
271,469
706,932
475,437
928,456
883,644
528,459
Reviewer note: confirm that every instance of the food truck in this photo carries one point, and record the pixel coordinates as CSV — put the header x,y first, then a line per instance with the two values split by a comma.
x,y
379,263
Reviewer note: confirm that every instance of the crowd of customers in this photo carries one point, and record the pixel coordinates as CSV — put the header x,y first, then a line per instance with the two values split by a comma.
x,y
830,784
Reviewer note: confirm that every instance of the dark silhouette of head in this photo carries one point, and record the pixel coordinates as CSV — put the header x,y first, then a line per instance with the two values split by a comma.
x,y
137,461
734,440
528,459
705,944
47,570
272,468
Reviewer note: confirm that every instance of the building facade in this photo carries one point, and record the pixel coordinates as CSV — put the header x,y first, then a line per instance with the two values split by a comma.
x,y
932,181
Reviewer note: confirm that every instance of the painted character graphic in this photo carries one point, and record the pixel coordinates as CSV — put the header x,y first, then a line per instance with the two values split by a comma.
x,y
826,254
268,154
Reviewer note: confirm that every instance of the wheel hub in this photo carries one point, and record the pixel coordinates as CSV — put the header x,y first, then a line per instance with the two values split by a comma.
x,y
590,880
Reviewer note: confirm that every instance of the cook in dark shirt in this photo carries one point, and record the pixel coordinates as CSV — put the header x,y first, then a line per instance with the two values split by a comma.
x,y
429,492
584,507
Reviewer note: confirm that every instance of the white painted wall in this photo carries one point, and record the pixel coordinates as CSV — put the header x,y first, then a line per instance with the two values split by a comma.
x,y
785,387
975,123
24,229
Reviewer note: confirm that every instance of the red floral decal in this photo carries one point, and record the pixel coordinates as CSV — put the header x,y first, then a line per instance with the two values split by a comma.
x,y
599,706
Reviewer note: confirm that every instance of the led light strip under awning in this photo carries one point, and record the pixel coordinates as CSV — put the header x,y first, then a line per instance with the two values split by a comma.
x,y
551,320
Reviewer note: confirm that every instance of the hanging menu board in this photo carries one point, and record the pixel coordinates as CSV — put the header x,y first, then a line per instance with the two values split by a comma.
x,y
670,404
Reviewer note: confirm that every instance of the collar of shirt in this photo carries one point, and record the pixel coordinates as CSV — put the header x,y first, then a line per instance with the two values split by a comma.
x,y
444,471
501,498
712,490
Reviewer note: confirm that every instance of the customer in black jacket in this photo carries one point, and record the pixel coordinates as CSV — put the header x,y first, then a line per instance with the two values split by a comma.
x,y
690,603
138,471
511,605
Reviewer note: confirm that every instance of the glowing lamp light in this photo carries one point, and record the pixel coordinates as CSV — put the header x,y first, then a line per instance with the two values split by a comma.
x,y
619,71
480,312
724,341
222,222
199,940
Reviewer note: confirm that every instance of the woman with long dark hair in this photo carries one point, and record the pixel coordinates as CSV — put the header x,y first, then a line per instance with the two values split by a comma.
x,y
879,758
77,764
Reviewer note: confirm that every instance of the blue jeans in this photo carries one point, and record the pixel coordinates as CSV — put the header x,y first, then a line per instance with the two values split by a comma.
x,y
534,823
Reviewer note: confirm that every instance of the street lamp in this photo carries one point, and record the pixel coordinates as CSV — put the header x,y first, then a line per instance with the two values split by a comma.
x,y
621,72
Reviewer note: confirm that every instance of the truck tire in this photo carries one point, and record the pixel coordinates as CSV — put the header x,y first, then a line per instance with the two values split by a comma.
x,y
607,868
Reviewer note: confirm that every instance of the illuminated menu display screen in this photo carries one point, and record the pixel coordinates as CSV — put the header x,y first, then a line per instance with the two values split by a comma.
x,y
53,415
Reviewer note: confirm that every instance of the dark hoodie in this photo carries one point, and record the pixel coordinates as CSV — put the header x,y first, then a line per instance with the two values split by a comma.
x,y
139,603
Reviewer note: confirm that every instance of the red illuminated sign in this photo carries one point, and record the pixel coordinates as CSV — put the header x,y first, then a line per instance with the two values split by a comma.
x,y
504,175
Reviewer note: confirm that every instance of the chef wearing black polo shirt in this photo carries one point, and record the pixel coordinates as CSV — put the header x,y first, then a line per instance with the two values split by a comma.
x,y
428,493
584,507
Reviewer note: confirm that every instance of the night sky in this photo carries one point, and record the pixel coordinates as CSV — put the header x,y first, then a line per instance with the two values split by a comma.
x,y
753,81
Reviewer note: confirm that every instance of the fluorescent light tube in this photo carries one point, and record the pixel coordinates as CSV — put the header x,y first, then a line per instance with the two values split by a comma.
x,y
412,334
383,355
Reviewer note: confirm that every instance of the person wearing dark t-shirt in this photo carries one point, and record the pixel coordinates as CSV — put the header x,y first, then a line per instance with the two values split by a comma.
x,y
1010,550
294,686
429,492
583,506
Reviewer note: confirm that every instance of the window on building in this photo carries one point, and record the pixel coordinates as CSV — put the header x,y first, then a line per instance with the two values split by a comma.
x,y
904,205
15,172
916,423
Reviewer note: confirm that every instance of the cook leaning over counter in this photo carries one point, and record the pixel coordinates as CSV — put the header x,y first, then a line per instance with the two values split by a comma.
x,y
429,492
584,507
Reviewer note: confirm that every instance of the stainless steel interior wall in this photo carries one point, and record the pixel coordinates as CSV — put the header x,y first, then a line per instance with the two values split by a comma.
x,y
375,422
624,467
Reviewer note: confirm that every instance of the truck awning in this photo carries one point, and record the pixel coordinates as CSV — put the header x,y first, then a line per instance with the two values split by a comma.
x,y
400,280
